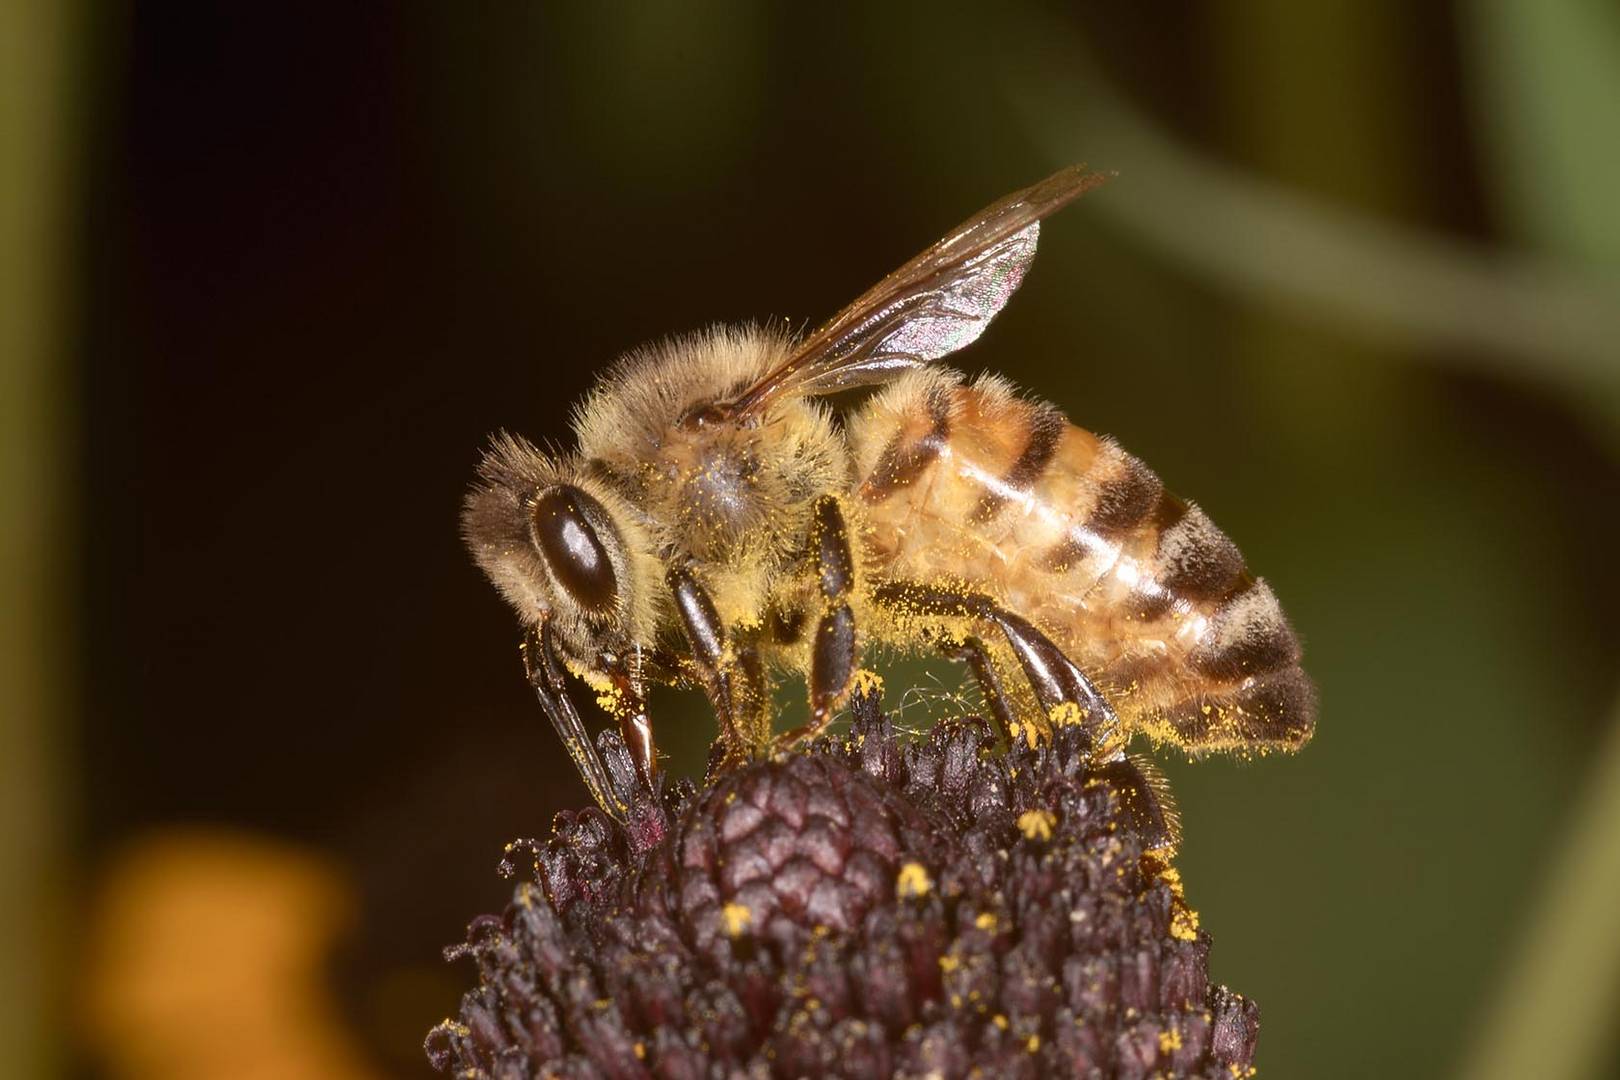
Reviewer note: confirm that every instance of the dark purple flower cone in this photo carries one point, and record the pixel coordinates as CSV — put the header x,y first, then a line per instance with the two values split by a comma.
x,y
871,907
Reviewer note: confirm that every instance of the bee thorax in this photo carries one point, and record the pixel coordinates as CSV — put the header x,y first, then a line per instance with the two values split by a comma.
x,y
718,495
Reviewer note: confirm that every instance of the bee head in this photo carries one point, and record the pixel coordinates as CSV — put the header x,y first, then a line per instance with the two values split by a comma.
x,y
562,548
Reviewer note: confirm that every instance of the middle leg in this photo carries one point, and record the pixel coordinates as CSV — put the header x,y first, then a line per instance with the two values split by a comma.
x,y
834,646
729,671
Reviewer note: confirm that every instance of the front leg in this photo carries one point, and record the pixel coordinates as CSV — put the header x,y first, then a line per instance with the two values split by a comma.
x,y
540,663
629,708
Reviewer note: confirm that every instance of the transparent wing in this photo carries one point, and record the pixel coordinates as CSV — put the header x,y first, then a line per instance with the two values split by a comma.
x,y
933,305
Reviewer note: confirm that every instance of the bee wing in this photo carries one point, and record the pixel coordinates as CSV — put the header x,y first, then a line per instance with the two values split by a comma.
x,y
932,306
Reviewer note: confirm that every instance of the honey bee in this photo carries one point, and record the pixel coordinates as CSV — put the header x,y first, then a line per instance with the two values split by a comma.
x,y
719,525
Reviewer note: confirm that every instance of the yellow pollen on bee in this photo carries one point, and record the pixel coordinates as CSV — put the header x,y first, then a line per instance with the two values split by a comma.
x,y
1027,732
913,881
1036,824
867,682
986,920
737,918
1110,747
593,679
1066,714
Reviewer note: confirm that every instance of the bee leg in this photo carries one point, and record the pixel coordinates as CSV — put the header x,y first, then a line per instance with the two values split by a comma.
x,y
635,726
1054,678
1144,793
734,683
1141,789
546,677
973,652
1058,682
835,649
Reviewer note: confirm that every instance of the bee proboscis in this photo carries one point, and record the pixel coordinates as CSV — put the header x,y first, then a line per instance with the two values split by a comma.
x,y
717,525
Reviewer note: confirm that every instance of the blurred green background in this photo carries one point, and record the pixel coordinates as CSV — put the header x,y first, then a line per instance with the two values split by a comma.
x,y
270,277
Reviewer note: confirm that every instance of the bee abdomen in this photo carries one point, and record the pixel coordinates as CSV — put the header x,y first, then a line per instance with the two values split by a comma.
x,y
1248,635
1045,431
912,448
1140,588
1276,711
1127,493
1194,558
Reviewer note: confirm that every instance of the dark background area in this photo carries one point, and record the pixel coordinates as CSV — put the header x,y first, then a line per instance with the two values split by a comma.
x,y
321,257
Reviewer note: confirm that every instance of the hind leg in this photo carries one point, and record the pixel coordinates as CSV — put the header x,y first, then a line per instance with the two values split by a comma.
x,y
1060,685
976,655
1063,691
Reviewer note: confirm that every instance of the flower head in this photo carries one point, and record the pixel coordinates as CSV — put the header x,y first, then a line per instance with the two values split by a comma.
x,y
871,906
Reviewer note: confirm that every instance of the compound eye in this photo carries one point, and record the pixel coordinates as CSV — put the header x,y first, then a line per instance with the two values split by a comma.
x,y
563,532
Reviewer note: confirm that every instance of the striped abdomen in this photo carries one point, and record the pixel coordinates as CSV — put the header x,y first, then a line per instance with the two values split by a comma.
x,y
1140,588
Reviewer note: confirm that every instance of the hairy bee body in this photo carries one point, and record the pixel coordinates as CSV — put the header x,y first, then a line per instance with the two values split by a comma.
x,y
968,485
718,521
973,485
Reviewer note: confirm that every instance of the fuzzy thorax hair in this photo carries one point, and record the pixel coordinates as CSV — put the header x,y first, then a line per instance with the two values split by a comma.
x,y
732,500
